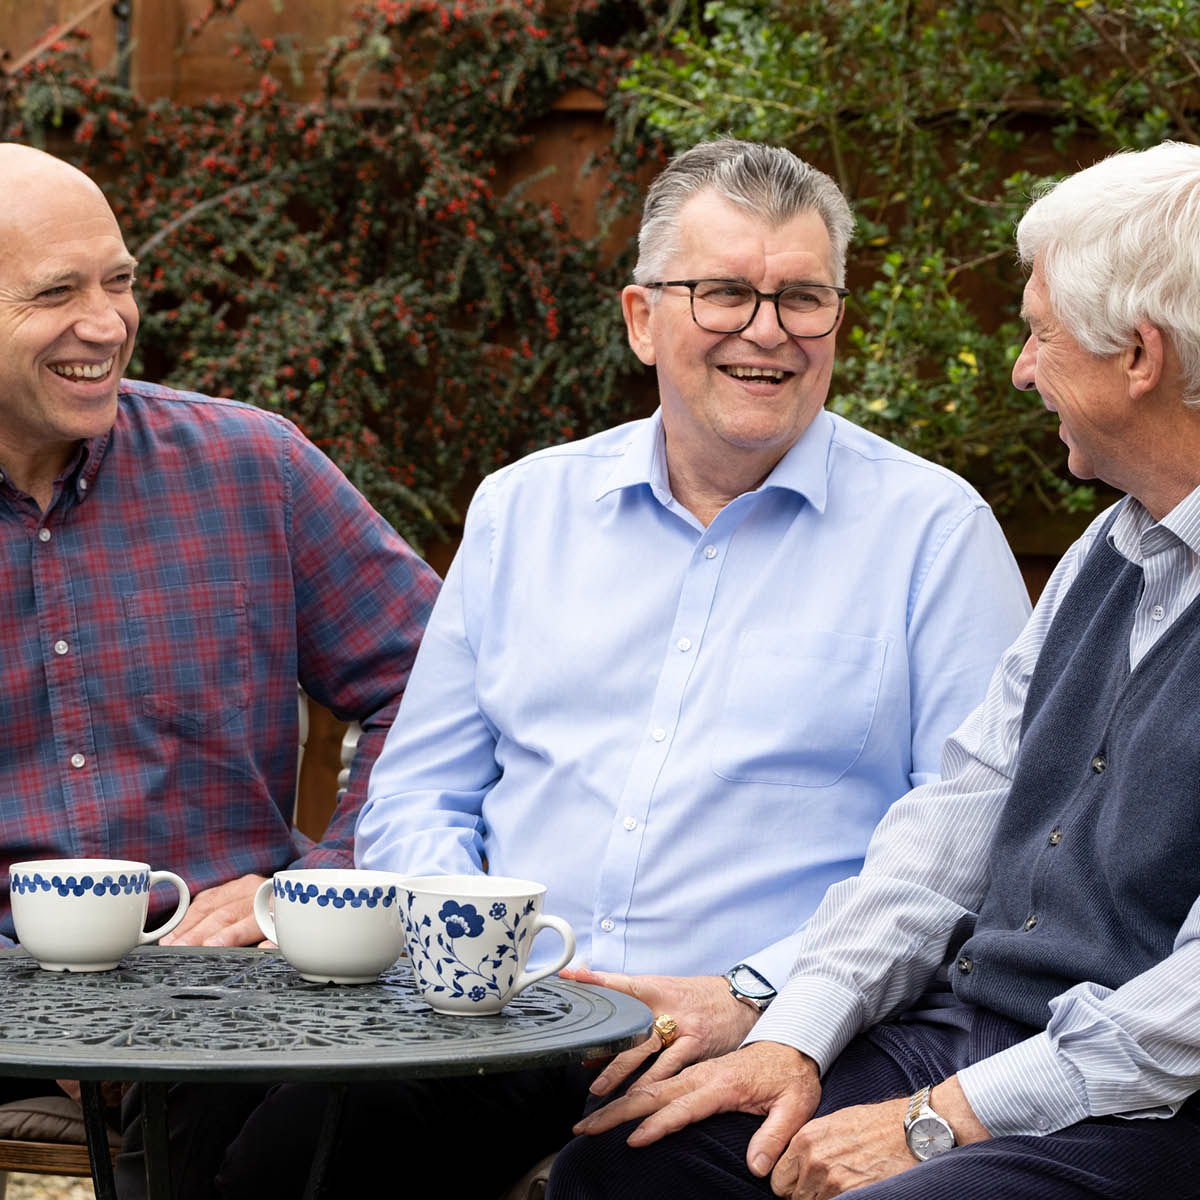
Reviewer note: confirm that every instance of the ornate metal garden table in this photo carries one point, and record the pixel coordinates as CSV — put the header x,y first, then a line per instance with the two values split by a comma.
x,y
173,1014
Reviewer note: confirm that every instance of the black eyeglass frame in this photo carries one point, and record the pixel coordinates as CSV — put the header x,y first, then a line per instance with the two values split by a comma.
x,y
759,297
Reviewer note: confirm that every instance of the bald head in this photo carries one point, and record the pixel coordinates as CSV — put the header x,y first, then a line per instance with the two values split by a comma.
x,y
30,178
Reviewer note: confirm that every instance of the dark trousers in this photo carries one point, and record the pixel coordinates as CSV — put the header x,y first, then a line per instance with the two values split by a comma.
x,y
1103,1157
479,1134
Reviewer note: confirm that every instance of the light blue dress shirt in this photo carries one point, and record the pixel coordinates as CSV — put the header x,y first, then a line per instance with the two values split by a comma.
x,y
878,939
688,734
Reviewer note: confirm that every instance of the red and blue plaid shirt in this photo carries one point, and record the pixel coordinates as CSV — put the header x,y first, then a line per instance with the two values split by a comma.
x,y
195,563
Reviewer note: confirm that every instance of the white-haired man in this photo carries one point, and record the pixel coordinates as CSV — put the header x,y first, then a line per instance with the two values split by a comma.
x,y
1034,916
680,669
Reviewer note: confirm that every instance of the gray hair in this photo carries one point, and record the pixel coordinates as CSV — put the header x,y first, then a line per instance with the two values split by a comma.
x,y
769,182
1118,244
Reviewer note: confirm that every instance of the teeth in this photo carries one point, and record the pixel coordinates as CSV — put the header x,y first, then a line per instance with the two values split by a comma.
x,y
776,376
82,370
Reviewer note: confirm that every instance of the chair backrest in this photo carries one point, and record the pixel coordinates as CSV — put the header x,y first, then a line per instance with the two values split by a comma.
x,y
320,781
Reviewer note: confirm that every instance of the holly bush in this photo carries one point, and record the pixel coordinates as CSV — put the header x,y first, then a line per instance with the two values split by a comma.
x,y
937,120
350,261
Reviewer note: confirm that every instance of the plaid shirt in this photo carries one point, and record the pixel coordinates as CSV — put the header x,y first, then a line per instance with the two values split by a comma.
x,y
195,563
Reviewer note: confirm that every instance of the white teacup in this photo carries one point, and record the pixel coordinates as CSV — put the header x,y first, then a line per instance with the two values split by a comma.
x,y
333,926
468,937
84,914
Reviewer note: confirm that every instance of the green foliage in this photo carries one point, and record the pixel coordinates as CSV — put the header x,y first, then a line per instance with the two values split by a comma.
x,y
353,262
937,119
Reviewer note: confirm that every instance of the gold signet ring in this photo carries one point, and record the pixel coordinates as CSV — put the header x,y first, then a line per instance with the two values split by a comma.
x,y
666,1029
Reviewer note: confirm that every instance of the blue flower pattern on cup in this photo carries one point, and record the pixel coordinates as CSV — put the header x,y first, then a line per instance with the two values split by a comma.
x,y
466,975
131,884
461,920
302,893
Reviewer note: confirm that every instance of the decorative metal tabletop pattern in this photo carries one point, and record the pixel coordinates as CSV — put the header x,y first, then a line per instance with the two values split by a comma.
x,y
205,1014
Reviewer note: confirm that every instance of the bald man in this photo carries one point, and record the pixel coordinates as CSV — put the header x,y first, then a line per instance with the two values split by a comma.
x,y
169,577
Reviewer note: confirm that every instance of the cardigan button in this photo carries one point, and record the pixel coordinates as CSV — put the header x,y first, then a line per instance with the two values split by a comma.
x,y
1099,762
966,965
1030,922
1055,836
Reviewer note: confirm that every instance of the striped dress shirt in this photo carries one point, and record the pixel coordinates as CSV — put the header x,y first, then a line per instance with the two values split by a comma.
x,y
880,938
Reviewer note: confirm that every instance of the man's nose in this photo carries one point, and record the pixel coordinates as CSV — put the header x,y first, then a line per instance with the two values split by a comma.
x,y
100,321
765,329
1025,367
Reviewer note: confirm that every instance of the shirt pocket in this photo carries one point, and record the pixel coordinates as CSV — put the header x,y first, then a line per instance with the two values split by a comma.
x,y
799,707
192,646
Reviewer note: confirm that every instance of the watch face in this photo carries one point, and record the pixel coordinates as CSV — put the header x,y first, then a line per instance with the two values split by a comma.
x,y
748,982
928,1136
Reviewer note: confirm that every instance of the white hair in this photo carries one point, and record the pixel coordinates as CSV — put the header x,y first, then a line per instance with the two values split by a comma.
x,y
768,182
1119,244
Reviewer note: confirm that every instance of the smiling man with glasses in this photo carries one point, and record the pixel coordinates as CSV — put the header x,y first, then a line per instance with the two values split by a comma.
x,y
680,669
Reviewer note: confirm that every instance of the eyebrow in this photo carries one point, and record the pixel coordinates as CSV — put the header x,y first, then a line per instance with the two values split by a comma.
x,y
40,283
787,283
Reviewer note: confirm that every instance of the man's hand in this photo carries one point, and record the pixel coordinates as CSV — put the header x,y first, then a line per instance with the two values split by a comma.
x,y
766,1078
220,916
710,1020
863,1144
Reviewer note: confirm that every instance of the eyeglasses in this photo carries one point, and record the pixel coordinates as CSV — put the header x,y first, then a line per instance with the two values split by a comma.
x,y
805,310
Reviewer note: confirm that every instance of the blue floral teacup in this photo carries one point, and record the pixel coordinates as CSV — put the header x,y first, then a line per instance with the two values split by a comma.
x,y
333,925
85,914
468,938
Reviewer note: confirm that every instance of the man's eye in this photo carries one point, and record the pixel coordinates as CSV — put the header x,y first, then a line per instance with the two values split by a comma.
x,y
724,293
125,279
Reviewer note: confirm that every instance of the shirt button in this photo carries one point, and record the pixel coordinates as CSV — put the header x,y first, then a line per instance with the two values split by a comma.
x,y
1030,922
1158,612
1055,837
1041,1123
684,644
83,485
1099,763
43,535
630,823
608,924
710,552
965,965
77,760
658,734
61,647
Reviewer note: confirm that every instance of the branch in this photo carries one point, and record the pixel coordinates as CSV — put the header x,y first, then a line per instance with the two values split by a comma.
x,y
151,242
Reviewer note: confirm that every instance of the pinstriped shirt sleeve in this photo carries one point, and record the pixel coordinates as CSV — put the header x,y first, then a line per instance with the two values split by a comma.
x,y
878,938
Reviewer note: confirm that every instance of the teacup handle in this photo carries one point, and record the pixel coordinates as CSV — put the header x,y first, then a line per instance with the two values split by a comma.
x,y
180,909
564,931
262,910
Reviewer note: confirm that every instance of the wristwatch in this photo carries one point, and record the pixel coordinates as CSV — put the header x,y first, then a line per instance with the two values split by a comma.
x,y
750,987
927,1134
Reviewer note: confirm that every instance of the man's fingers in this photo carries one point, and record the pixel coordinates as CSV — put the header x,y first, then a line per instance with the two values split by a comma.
x,y
608,979
624,1065
783,1121
671,1061
637,1102
241,933
694,1106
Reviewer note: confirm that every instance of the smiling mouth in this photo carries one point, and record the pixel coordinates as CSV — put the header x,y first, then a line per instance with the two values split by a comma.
x,y
83,370
757,374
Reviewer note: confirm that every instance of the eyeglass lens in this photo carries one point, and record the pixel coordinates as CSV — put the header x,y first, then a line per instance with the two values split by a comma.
x,y
724,306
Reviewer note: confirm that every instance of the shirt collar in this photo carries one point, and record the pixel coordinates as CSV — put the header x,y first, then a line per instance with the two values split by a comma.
x,y
1136,535
803,469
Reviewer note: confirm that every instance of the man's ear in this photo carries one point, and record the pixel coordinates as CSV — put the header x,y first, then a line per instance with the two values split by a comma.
x,y
637,310
1146,360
